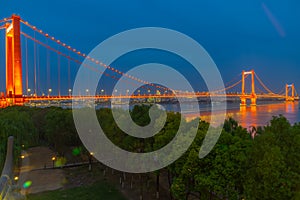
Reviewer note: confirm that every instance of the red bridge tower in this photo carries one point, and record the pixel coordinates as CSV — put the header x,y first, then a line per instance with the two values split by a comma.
x,y
252,96
14,94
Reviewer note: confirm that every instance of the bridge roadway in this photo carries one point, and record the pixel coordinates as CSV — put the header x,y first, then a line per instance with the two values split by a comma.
x,y
170,96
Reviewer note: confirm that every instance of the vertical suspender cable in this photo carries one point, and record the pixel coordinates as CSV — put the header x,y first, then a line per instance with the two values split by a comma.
x,y
69,73
26,63
38,71
48,68
58,73
34,61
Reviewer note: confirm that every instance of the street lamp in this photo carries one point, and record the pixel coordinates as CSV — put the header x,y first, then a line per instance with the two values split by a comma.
x,y
70,91
49,91
28,91
87,92
90,161
53,160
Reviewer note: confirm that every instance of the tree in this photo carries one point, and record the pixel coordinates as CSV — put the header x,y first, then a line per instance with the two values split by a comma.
x,y
220,174
14,121
60,129
274,162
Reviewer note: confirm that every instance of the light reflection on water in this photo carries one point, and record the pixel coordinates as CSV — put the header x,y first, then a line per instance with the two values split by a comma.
x,y
247,116
258,115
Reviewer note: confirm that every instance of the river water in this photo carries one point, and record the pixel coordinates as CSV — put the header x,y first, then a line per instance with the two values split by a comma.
x,y
259,115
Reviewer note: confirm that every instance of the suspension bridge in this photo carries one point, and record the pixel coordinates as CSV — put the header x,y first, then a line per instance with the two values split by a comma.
x,y
47,63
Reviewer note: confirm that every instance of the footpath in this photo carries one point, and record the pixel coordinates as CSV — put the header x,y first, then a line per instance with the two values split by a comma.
x,y
33,178
37,175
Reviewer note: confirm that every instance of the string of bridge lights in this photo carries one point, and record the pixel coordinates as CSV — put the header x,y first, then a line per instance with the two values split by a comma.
x,y
75,60
68,47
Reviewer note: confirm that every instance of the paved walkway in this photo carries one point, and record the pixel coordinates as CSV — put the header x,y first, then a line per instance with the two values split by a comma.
x,y
35,159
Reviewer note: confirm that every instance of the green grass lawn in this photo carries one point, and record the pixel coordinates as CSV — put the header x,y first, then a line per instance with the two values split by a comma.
x,y
100,190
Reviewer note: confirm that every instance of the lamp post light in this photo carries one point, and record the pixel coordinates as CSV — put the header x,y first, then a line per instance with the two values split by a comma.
x,y
70,92
16,178
28,91
127,92
53,161
20,160
102,91
49,91
87,92
90,161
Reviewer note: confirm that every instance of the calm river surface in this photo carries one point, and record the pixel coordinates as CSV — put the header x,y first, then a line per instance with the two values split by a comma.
x,y
258,115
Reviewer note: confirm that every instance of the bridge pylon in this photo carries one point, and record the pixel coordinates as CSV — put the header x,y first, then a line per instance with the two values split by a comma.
x,y
287,88
252,96
14,90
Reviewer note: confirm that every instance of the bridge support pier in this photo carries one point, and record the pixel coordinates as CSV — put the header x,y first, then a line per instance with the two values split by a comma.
x,y
253,101
243,101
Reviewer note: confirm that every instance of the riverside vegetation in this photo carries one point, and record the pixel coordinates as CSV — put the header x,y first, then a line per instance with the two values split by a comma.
x,y
238,167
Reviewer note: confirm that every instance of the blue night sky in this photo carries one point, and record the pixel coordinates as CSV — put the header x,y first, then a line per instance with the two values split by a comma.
x,y
254,34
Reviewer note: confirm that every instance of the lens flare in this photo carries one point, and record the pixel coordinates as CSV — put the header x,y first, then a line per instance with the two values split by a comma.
x,y
273,20
76,151
27,184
